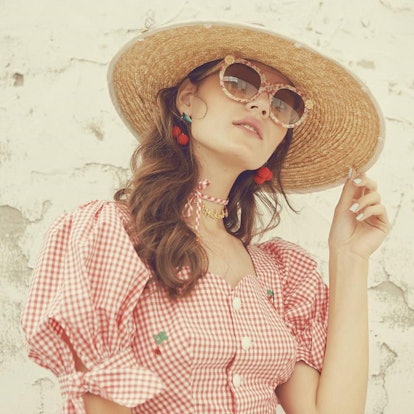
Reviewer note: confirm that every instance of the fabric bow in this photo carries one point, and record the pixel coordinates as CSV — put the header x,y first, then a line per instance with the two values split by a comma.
x,y
196,198
127,386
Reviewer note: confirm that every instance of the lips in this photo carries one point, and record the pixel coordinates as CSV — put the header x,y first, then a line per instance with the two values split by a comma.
x,y
250,124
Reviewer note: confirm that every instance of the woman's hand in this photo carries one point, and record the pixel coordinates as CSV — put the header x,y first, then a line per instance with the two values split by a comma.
x,y
360,222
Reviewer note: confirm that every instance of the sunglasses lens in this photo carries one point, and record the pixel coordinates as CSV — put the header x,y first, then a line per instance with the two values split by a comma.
x,y
241,81
287,106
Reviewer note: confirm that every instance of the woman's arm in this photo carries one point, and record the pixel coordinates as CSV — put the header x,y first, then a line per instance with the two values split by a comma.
x,y
98,405
341,387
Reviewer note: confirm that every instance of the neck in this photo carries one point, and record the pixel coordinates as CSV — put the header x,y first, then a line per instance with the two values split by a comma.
x,y
221,180
216,190
221,177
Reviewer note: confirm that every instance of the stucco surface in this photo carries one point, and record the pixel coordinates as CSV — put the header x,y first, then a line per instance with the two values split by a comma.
x,y
61,144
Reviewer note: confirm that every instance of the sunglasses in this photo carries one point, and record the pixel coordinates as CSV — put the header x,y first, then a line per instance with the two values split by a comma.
x,y
243,82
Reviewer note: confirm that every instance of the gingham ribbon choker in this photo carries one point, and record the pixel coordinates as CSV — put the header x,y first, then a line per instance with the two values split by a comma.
x,y
196,198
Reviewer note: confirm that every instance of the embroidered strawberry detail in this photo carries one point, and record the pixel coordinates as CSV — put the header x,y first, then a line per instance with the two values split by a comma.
x,y
160,337
270,294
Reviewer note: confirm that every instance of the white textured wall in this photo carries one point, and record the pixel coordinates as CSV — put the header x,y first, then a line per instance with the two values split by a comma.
x,y
61,144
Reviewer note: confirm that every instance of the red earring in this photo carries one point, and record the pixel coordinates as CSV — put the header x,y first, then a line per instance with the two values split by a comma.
x,y
262,174
179,135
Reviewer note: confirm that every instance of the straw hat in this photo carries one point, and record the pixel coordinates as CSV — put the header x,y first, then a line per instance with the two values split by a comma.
x,y
344,129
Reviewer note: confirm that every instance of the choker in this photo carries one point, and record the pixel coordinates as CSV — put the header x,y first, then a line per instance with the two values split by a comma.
x,y
213,214
196,198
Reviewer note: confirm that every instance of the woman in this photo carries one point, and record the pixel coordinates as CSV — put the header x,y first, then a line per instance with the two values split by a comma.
x,y
159,302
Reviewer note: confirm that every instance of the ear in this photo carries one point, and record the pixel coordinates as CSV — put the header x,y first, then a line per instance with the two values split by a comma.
x,y
185,95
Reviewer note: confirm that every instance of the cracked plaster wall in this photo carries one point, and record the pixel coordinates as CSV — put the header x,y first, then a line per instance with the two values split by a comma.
x,y
61,144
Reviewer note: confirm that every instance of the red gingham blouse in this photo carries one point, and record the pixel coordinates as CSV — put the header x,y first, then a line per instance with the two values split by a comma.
x,y
221,350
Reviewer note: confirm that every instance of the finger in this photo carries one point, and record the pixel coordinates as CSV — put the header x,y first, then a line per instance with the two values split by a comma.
x,y
362,181
350,191
377,212
364,201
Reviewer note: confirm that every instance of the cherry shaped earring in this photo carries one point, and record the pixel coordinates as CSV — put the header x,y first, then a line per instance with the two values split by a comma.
x,y
179,135
177,132
263,174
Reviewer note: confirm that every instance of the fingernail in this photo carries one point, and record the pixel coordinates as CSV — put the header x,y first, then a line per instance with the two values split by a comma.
x,y
354,207
359,217
350,172
357,180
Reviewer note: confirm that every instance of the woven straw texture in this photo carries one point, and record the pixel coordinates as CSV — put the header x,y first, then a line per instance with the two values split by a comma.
x,y
344,129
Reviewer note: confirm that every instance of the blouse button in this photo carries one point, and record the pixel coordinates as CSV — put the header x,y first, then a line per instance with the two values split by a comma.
x,y
237,380
236,304
246,343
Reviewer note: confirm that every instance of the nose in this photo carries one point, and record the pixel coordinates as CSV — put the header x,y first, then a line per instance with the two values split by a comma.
x,y
261,104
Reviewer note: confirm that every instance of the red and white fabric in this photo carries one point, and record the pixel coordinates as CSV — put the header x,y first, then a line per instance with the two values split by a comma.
x,y
220,350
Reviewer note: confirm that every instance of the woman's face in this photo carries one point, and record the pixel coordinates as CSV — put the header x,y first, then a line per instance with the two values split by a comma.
x,y
241,135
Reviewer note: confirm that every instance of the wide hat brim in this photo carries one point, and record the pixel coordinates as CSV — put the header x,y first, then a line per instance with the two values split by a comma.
x,y
344,129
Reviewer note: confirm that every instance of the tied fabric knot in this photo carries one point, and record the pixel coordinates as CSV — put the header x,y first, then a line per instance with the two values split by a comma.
x,y
197,197
126,386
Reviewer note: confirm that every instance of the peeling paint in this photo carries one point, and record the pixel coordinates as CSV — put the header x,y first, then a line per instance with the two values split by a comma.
x,y
42,385
397,6
394,219
396,312
388,357
367,64
5,151
12,227
79,60
18,79
97,130
14,274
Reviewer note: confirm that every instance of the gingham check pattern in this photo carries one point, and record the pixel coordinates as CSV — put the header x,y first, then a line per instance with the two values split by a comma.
x,y
221,350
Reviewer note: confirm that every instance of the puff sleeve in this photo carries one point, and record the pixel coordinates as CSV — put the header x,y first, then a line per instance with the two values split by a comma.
x,y
305,299
84,289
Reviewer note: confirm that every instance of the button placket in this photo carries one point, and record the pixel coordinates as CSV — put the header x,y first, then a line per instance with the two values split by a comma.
x,y
237,380
236,303
246,343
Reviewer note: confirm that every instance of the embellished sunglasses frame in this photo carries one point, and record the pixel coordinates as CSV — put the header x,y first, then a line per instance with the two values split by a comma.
x,y
265,86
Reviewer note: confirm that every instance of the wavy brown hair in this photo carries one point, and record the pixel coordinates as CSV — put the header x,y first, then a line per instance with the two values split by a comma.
x,y
164,174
